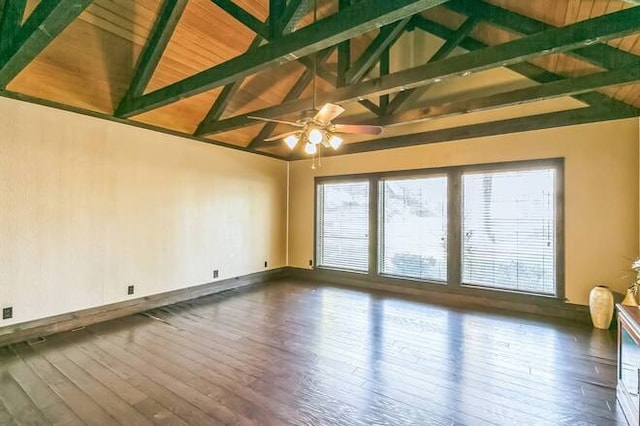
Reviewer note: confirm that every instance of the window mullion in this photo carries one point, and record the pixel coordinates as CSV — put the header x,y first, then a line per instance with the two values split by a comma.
x,y
454,229
374,204
559,230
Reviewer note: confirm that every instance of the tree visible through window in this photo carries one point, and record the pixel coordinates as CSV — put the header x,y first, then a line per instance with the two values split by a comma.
x,y
508,230
414,227
473,228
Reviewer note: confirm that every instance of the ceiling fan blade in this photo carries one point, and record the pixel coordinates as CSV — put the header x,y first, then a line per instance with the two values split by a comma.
x,y
357,129
328,112
290,123
281,136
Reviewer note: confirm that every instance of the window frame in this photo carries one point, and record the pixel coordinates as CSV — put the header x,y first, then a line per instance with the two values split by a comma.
x,y
316,230
453,283
428,173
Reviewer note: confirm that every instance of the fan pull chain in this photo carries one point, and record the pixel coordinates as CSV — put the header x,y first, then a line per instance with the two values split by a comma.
x,y
315,56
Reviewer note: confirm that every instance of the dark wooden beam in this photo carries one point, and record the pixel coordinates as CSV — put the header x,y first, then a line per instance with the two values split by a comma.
x,y
546,91
321,71
344,51
361,17
528,70
294,93
606,27
227,93
456,38
292,14
220,104
384,70
161,33
244,17
44,24
387,36
514,125
11,15
371,106
601,55
276,10
133,123
445,50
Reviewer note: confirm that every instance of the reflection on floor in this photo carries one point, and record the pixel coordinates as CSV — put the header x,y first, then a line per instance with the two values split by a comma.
x,y
288,353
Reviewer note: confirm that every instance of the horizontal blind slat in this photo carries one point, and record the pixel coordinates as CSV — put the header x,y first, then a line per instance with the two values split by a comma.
x,y
508,230
414,227
343,225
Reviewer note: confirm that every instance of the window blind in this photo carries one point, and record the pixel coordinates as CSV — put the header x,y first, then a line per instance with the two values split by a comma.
x,y
509,230
343,225
414,227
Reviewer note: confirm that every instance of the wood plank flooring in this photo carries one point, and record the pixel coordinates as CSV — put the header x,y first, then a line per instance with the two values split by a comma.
x,y
301,354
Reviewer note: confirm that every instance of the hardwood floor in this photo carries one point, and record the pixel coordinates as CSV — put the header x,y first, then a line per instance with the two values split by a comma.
x,y
288,353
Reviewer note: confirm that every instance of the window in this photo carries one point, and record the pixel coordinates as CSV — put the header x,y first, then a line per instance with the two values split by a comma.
x,y
413,236
508,230
343,225
471,229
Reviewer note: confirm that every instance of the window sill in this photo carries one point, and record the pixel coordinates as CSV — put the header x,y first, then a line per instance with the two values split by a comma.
x,y
439,287
473,287
411,279
459,297
332,269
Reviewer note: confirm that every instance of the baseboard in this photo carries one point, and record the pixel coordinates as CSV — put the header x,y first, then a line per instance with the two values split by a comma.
x,y
467,298
42,327
491,300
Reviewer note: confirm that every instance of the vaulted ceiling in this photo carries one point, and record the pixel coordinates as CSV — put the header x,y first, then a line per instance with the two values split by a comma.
x,y
428,70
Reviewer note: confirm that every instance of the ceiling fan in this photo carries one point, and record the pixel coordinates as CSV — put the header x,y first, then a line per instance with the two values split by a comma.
x,y
318,129
315,127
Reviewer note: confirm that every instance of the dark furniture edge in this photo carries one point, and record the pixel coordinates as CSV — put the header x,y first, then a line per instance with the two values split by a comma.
x,y
631,315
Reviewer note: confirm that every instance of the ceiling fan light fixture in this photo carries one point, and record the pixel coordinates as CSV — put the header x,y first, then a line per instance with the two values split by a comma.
x,y
335,141
315,127
292,141
315,136
310,148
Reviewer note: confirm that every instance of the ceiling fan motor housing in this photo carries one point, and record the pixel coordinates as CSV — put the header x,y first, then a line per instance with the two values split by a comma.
x,y
308,113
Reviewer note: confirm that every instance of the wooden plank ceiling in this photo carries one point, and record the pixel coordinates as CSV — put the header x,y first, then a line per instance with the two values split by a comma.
x,y
92,62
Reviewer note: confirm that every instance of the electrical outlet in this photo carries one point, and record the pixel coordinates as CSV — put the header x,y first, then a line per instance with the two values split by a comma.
x,y
130,290
310,262
265,263
215,273
7,313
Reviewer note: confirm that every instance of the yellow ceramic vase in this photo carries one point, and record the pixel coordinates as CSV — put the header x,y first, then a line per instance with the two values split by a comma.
x,y
601,306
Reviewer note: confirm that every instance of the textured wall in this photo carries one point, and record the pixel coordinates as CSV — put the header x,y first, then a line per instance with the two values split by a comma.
x,y
88,206
601,192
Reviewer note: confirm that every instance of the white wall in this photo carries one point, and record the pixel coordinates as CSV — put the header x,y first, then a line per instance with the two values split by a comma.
x,y
89,206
